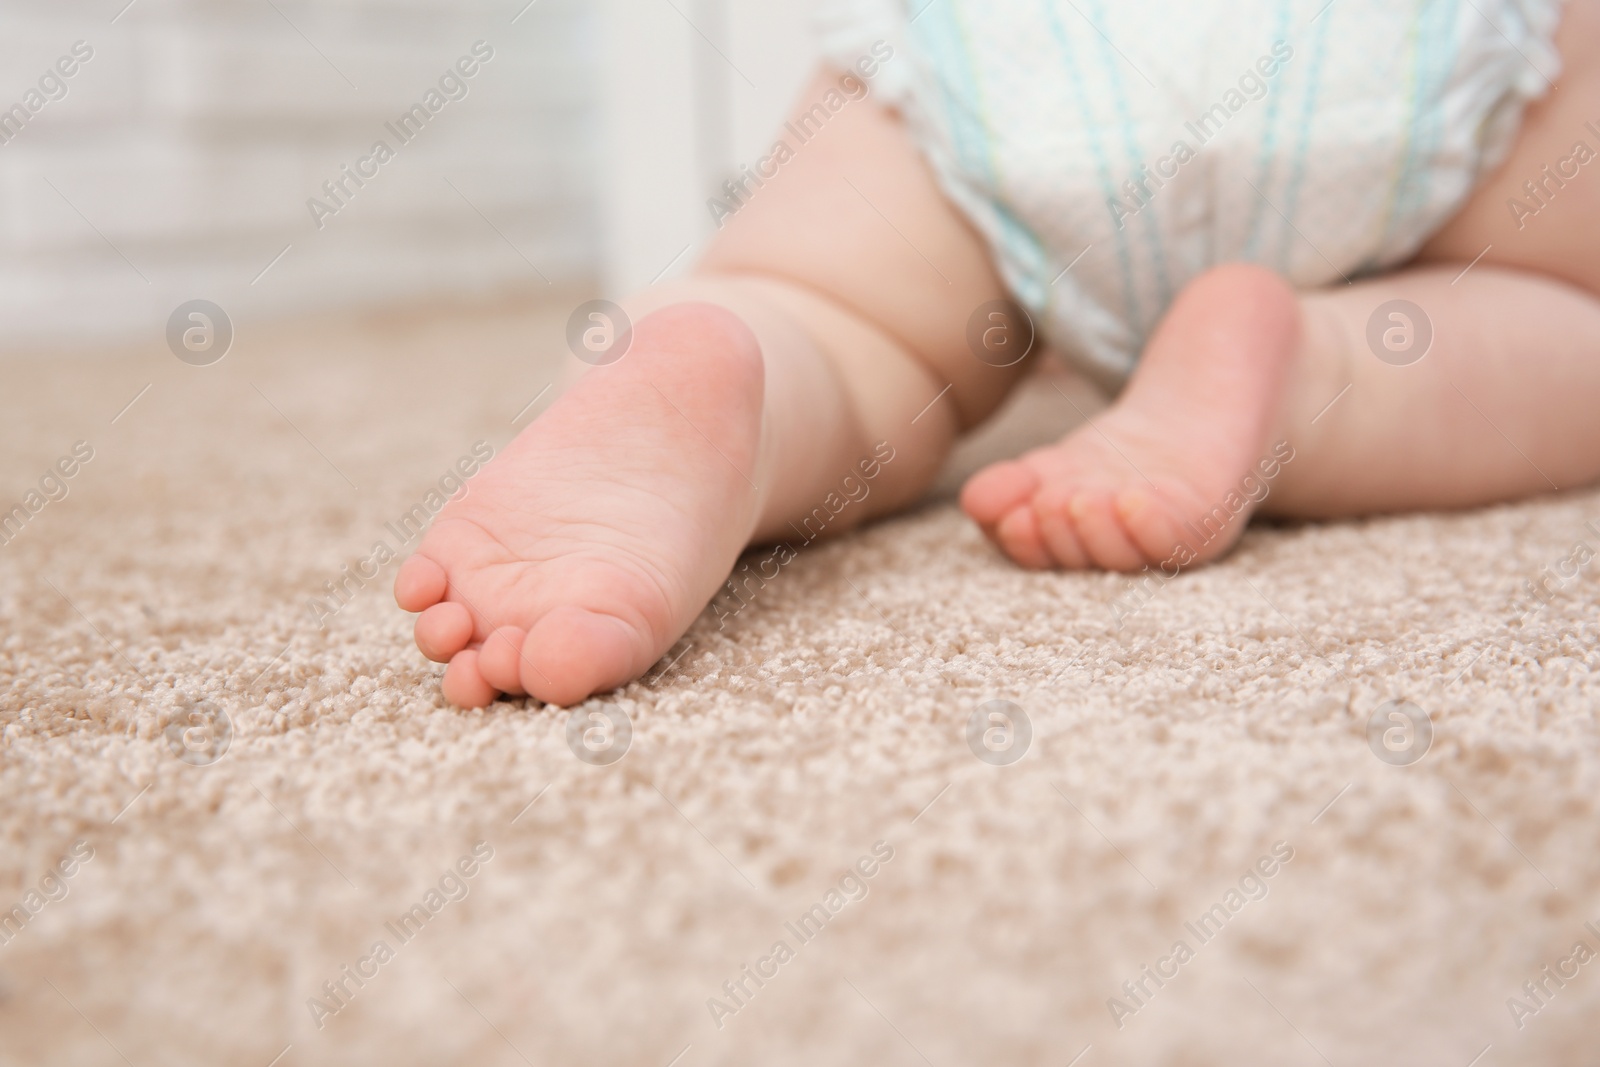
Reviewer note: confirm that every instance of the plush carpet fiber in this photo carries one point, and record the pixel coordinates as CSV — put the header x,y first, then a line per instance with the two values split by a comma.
x,y
1227,717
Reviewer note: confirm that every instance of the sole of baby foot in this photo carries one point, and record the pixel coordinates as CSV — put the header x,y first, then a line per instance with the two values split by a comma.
x,y
585,549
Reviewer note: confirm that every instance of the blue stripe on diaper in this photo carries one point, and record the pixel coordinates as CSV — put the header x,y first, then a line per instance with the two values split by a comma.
x,y
1413,95
1449,28
1308,113
1130,296
1438,42
966,133
1152,228
973,140
1269,146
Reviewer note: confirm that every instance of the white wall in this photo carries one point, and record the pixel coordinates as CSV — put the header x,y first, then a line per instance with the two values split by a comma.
x,y
180,161
691,89
184,152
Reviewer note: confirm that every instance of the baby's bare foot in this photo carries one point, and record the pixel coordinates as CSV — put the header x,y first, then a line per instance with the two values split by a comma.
x,y
1162,470
589,545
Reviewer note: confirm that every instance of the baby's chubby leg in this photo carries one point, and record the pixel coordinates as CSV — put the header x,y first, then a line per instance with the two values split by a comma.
x,y
823,336
1417,390
1503,405
1324,404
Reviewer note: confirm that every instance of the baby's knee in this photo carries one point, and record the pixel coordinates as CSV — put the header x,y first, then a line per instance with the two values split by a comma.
x,y
699,327
702,342
1240,282
1247,290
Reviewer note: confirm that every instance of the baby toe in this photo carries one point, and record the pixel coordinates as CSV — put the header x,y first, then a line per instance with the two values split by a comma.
x,y
1102,535
1149,523
573,653
1056,529
464,685
991,494
443,630
419,584
1018,535
500,659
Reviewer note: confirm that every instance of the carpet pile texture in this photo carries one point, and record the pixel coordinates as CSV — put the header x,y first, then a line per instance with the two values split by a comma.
x,y
535,908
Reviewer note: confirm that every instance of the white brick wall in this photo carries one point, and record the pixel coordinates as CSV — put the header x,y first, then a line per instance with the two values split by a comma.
x,y
192,139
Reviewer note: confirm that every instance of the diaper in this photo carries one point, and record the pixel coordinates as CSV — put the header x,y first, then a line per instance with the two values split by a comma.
x,y
1109,152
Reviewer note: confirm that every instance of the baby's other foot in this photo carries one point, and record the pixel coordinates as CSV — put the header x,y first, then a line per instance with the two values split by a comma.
x,y
587,547
1174,469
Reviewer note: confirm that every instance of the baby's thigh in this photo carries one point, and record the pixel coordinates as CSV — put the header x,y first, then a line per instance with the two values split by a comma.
x,y
1555,233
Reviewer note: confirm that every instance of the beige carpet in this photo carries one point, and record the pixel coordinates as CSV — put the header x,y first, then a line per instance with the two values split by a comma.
x,y
1168,757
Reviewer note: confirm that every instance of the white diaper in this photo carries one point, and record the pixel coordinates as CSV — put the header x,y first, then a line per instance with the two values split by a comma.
x,y
1156,139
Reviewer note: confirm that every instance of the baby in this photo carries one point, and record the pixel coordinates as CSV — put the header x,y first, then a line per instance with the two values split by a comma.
x,y
1358,234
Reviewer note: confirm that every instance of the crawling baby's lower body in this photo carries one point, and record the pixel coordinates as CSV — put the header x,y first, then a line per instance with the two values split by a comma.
x,y
1348,249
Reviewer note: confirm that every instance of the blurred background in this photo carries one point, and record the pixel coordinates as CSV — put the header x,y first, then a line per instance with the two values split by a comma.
x,y
179,158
